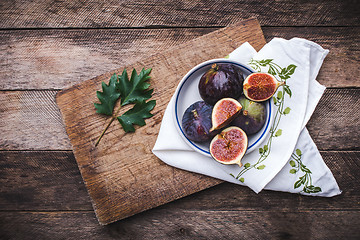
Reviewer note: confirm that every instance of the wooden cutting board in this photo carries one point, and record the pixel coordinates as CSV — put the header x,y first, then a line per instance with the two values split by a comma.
x,y
121,174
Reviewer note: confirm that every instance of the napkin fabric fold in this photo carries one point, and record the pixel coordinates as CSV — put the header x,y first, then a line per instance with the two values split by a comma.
x,y
287,160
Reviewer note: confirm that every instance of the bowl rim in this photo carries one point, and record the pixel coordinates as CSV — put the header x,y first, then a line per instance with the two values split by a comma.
x,y
176,100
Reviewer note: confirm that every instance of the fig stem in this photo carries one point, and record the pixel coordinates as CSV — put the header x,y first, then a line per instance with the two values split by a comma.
x,y
113,117
196,115
280,83
215,67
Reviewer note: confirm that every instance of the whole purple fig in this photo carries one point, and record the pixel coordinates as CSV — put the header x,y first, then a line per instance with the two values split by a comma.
x,y
222,80
196,122
252,116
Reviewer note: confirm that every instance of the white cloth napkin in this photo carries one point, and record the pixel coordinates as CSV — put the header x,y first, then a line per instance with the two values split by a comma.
x,y
288,160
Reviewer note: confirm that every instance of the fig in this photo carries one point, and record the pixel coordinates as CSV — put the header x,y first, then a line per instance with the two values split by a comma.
x,y
224,111
229,146
252,116
220,81
196,122
260,87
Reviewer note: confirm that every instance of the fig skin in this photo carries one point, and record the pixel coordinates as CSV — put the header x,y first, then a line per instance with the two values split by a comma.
x,y
229,146
196,122
260,87
224,111
252,116
221,81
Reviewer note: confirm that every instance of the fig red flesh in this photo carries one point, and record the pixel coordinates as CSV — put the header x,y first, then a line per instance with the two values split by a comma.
x,y
224,111
229,146
260,86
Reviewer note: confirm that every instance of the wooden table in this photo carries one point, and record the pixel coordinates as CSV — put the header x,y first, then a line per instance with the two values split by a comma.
x,y
47,46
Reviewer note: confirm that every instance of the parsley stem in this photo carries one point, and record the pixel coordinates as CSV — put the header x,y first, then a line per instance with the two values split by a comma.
x,y
103,132
107,126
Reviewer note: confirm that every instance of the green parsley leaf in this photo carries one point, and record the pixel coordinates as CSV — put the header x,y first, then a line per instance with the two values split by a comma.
x,y
135,89
107,97
136,115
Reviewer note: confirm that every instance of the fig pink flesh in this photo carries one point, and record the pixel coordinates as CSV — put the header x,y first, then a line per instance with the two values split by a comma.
x,y
229,146
261,86
225,110
228,109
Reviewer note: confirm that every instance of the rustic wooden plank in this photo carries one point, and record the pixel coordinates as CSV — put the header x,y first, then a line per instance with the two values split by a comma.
x,y
54,59
45,180
31,120
335,128
51,181
114,189
170,224
343,164
141,13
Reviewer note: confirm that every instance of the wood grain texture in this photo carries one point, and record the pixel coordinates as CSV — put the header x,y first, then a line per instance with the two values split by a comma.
x,y
51,181
30,120
141,13
122,175
49,45
168,224
46,180
55,59
344,126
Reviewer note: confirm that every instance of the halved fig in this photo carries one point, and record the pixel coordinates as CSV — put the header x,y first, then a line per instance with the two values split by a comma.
x,y
260,87
229,146
224,111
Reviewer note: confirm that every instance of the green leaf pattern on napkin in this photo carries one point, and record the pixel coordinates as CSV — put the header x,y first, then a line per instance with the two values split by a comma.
x,y
279,100
304,180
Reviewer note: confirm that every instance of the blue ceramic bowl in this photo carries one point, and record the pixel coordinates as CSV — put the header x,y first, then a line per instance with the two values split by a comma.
x,y
187,93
